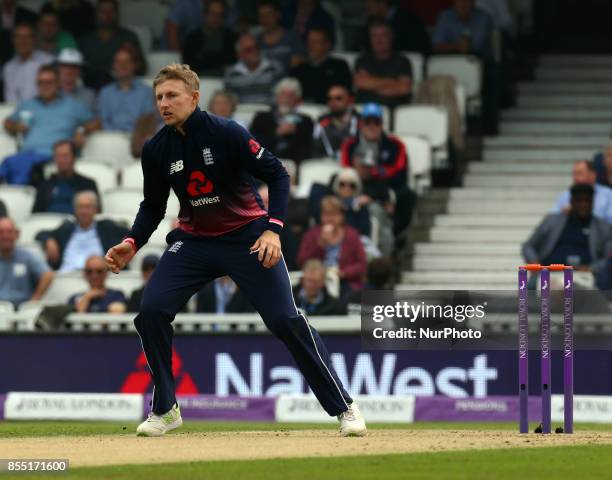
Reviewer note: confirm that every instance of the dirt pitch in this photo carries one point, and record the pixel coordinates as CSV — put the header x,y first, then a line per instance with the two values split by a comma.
x,y
179,447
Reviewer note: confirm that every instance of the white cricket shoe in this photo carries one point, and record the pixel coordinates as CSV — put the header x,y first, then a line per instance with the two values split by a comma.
x,y
157,425
352,423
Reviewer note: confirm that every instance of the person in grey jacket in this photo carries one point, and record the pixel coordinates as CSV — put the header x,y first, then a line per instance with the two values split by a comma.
x,y
576,237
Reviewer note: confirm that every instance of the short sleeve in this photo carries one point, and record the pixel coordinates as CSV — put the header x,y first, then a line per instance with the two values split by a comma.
x,y
81,112
36,266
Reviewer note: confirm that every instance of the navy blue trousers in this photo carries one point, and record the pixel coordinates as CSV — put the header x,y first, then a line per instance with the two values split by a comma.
x,y
190,262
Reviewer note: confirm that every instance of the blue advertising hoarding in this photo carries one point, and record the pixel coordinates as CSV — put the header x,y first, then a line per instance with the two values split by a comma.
x,y
260,365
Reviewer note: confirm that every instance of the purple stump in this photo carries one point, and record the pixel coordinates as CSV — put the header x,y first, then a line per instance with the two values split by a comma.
x,y
545,360
568,350
523,351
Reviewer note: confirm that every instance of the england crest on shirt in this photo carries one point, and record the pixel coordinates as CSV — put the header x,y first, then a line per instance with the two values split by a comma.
x,y
207,156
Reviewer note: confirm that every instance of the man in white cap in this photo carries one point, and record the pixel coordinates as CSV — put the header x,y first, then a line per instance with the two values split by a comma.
x,y
70,63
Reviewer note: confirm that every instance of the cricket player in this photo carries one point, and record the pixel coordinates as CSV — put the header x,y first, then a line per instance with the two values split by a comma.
x,y
224,229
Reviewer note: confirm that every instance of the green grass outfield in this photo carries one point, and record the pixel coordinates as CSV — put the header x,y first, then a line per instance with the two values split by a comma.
x,y
560,463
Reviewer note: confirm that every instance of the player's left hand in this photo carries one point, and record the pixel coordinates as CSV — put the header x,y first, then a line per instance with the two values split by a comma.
x,y
268,248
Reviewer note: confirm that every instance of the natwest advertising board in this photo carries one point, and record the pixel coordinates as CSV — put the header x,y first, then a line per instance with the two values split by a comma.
x,y
259,365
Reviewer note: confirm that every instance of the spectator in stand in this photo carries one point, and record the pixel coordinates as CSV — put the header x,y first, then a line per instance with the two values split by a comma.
x,y
209,50
575,237
69,66
23,276
311,294
56,194
380,277
100,45
333,128
146,126
383,76
289,240
122,102
146,269
584,173
382,163
184,17
51,38
337,245
42,122
602,162
321,71
223,104
374,153
464,29
76,16
283,129
409,31
99,298
302,15
347,187
221,296
277,43
251,77
12,15
69,246
20,72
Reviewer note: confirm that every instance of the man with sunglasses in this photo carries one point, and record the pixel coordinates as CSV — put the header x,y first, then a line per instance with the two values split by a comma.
x,y
333,128
99,298
382,163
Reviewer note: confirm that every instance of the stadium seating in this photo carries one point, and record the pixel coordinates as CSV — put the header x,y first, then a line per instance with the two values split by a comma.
x,y
63,286
111,148
419,162
5,111
123,201
145,37
245,112
125,220
8,146
131,176
157,60
18,200
144,12
418,69
104,175
348,57
127,281
158,238
208,86
319,170
37,222
428,121
336,14
291,168
467,69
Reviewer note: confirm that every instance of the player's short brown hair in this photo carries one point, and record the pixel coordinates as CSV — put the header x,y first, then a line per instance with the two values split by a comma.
x,y
178,71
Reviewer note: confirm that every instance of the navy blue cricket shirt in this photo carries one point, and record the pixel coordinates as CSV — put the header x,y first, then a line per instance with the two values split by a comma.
x,y
211,170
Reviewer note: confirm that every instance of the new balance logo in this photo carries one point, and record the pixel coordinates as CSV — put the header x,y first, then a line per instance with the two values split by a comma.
x,y
176,167
207,156
175,247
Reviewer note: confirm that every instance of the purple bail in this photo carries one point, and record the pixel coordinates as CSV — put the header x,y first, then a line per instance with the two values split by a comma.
x,y
568,351
545,360
523,351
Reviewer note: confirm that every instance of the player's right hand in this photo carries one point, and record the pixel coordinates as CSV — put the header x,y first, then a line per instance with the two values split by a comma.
x,y
119,256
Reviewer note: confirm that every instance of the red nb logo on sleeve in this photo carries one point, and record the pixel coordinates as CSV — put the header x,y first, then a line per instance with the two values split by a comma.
x,y
254,146
199,184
